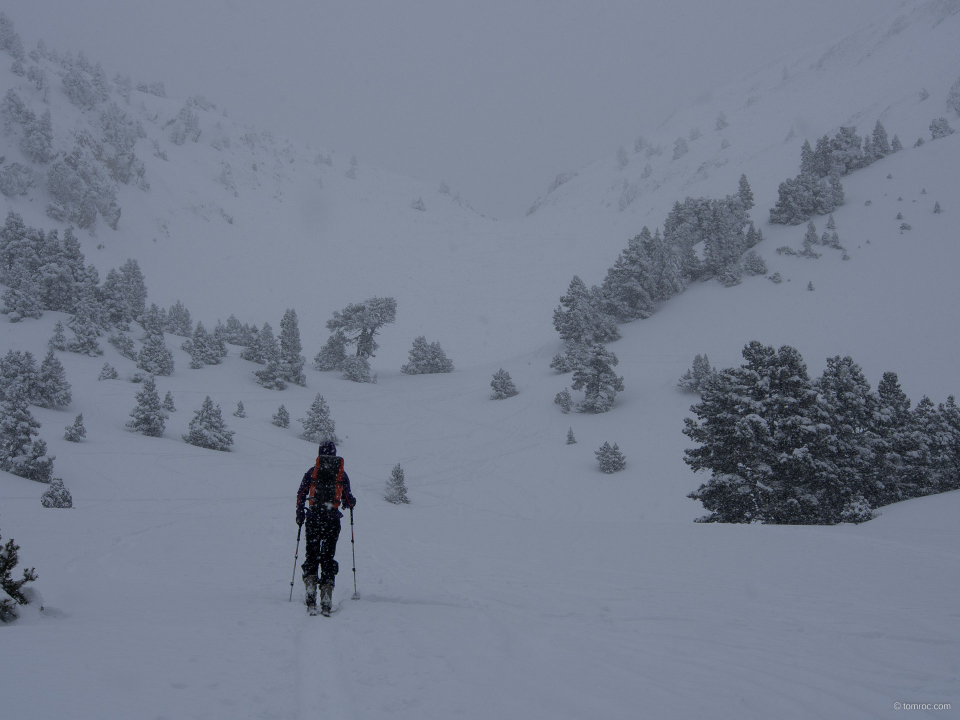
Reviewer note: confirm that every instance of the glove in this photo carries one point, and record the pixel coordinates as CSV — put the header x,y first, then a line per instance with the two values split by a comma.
x,y
351,502
300,515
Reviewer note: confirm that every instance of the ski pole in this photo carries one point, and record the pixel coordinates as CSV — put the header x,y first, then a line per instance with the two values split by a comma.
x,y
295,555
353,550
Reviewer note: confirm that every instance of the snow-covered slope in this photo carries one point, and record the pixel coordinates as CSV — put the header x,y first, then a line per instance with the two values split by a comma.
x,y
520,582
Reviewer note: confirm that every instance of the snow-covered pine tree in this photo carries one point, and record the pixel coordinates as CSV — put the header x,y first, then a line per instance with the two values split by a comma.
x,y
282,418
564,400
361,322
503,386
18,375
753,263
114,303
571,440
124,345
698,376
251,346
271,376
357,369
134,289
418,204
52,388
936,208
148,416
85,324
240,412
745,193
427,358
810,239
20,454
757,432
318,426
881,146
940,128
178,320
202,348
59,339
168,402
108,372
22,300
208,430
76,432
13,594
291,361
332,354
848,406
722,121
219,343
628,289
610,458
153,317
895,144
154,357
581,321
396,489
598,380
57,496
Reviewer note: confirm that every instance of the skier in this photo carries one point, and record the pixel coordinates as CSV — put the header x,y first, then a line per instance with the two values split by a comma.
x,y
324,488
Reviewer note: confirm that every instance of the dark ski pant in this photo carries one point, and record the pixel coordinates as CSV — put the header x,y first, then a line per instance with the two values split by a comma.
x,y
322,535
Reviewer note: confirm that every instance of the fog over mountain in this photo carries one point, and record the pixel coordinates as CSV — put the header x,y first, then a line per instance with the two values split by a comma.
x,y
495,98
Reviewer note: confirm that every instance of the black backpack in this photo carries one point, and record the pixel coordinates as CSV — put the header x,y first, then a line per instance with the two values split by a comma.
x,y
327,485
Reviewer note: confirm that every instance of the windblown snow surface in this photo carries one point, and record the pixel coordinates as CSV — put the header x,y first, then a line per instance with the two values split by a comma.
x,y
520,581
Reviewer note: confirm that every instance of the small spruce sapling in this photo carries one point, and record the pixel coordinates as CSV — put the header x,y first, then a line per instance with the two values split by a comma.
x,y
76,432
148,416
571,440
281,418
502,385
753,263
52,388
318,426
396,489
108,372
207,429
564,400
57,496
610,459
168,402
698,377
59,339
240,412
427,358
357,369
936,208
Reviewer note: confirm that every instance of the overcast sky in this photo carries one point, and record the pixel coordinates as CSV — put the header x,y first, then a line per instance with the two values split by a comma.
x,y
494,97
